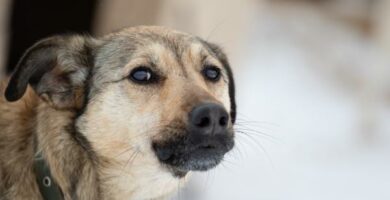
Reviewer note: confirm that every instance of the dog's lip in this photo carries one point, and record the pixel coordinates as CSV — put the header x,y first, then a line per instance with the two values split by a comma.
x,y
199,162
167,153
195,159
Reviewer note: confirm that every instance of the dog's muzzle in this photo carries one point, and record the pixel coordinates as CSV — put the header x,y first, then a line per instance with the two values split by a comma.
x,y
207,138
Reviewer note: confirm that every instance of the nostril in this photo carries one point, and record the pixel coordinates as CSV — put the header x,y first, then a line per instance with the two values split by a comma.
x,y
204,122
223,121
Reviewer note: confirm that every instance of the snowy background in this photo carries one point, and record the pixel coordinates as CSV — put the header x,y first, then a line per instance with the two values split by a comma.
x,y
312,103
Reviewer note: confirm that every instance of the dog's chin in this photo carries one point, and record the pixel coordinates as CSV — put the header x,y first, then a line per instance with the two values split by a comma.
x,y
197,161
182,156
201,160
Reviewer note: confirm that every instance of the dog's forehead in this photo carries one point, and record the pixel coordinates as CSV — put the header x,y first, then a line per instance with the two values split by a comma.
x,y
146,34
152,42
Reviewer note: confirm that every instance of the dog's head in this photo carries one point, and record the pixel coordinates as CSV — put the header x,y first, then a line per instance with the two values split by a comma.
x,y
166,95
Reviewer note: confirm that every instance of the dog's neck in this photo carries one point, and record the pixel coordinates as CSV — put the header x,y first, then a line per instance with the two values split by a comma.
x,y
81,173
71,165
137,181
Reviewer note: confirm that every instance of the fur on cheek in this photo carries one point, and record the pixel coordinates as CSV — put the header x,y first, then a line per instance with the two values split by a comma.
x,y
120,132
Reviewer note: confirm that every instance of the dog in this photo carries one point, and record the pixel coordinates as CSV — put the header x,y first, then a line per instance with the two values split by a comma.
x,y
126,116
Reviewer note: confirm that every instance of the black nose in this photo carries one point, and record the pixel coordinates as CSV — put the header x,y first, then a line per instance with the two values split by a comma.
x,y
209,118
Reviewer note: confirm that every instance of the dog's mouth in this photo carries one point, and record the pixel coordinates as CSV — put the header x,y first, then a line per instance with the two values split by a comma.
x,y
188,153
198,144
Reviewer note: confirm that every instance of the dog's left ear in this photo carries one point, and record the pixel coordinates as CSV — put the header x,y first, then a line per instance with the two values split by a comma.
x,y
56,68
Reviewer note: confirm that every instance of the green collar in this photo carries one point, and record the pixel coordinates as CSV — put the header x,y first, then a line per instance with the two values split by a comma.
x,y
47,186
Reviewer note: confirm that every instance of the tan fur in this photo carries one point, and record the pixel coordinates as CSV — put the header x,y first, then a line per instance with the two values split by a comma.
x,y
16,155
119,122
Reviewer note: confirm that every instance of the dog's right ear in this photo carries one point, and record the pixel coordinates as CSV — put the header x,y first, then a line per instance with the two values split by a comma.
x,y
56,68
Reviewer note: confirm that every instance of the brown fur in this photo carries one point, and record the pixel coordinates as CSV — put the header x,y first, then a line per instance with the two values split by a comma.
x,y
92,125
16,144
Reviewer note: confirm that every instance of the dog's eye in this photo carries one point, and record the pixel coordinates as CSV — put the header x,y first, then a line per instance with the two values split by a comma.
x,y
142,75
211,73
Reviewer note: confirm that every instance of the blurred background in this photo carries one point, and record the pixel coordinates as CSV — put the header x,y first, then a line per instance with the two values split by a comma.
x,y
313,86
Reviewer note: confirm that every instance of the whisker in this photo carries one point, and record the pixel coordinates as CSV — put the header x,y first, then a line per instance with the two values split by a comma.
x,y
257,135
259,145
207,181
179,190
249,127
256,123
130,160
225,161
252,127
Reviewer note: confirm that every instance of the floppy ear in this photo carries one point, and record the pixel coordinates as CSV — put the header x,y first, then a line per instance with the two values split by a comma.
x,y
56,68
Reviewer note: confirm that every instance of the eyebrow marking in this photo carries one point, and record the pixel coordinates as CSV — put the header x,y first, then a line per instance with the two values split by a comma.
x,y
148,61
203,58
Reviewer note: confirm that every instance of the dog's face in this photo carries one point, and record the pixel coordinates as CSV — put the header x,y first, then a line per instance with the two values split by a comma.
x,y
163,97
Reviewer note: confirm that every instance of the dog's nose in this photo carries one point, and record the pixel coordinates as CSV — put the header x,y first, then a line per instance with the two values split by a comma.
x,y
209,118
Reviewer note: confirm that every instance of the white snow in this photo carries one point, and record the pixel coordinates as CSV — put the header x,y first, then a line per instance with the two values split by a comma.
x,y
288,88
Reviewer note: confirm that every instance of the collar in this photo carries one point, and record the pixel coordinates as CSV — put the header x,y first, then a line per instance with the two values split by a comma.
x,y
47,186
